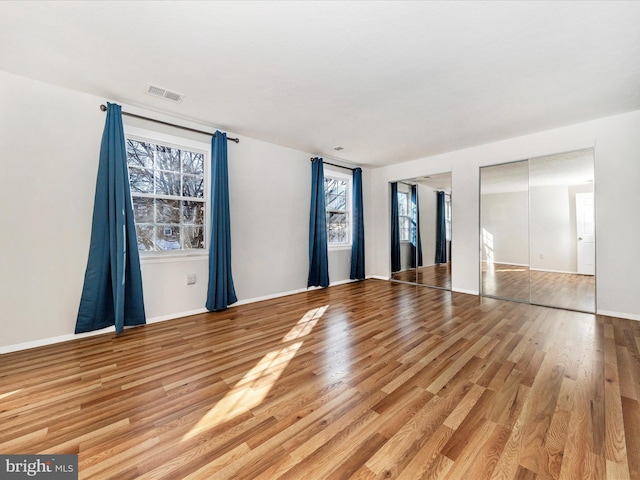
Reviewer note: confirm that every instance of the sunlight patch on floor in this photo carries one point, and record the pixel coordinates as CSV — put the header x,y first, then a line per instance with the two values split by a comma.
x,y
253,388
8,394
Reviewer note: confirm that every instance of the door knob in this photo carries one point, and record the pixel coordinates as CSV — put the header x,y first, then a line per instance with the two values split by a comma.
x,y
579,238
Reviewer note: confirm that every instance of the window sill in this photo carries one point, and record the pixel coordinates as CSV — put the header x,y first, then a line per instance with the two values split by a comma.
x,y
173,257
339,247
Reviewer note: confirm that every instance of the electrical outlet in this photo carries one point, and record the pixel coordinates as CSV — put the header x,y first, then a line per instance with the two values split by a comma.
x,y
191,278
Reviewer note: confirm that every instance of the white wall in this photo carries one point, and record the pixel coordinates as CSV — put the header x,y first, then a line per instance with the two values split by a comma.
x,y
536,227
50,139
552,237
616,140
553,227
505,218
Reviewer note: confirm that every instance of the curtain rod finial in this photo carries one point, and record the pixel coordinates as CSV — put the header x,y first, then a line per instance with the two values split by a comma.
x,y
103,108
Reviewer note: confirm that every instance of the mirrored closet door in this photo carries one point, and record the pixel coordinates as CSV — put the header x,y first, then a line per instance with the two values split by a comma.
x,y
537,231
504,230
421,230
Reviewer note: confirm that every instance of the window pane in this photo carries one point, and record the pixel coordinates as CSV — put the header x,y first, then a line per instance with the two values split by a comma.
x,y
166,175
193,237
141,180
335,186
143,209
404,228
167,211
192,186
167,183
447,211
336,202
140,154
193,213
145,237
168,237
167,158
402,204
337,227
337,234
192,162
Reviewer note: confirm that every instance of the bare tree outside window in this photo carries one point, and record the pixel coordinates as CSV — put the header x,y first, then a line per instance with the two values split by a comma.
x,y
337,206
167,189
404,217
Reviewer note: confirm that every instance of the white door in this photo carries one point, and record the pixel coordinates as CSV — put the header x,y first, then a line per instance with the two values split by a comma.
x,y
585,228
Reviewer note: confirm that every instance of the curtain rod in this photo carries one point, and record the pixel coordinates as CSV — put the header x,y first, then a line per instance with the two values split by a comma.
x,y
333,164
104,109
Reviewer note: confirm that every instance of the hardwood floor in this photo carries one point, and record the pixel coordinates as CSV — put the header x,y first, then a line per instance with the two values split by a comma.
x,y
563,290
433,276
367,380
506,281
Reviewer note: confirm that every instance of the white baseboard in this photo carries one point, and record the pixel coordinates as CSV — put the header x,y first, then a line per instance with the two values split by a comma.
x,y
379,277
173,316
510,263
468,292
628,316
71,336
51,340
551,271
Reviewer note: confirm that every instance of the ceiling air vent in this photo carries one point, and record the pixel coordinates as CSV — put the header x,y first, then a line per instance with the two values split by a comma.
x,y
164,93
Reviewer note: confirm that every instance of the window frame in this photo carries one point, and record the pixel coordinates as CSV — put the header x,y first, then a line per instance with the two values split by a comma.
x,y
447,216
173,141
409,220
348,179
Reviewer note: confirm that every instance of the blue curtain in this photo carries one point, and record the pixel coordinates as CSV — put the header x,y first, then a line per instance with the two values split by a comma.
x,y
395,230
357,245
318,256
441,230
416,251
112,291
220,292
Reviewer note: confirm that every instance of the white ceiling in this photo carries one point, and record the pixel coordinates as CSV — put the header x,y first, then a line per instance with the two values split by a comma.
x,y
388,81
440,181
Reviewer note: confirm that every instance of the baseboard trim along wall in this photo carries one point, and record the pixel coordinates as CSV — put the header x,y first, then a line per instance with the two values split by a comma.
x,y
628,316
163,318
379,277
468,292
65,338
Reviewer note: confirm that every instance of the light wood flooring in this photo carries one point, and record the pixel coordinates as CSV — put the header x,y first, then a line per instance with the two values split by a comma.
x,y
432,275
564,290
366,380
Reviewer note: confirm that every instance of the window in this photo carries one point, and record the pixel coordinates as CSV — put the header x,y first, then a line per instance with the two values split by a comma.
x,y
404,216
447,215
337,191
168,194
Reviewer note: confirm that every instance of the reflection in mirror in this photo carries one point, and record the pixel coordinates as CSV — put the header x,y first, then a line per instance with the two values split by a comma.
x,y
504,230
403,233
421,231
562,230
